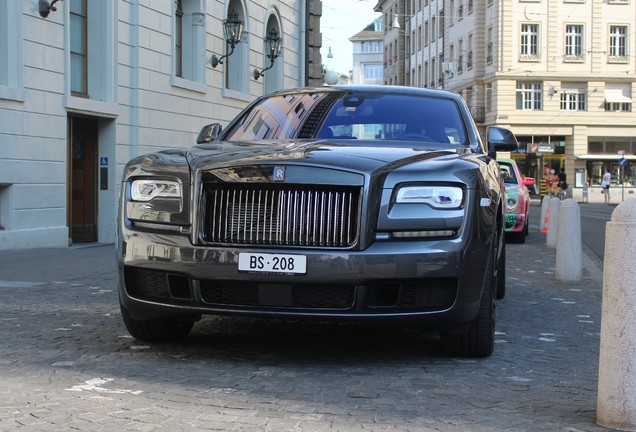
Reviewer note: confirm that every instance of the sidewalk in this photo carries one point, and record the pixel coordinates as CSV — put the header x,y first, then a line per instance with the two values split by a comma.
x,y
596,196
57,264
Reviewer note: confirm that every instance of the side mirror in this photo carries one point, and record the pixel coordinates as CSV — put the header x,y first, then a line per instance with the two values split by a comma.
x,y
500,139
209,133
529,181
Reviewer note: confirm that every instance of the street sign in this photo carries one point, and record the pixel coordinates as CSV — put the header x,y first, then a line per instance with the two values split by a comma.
x,y
103,161
622,162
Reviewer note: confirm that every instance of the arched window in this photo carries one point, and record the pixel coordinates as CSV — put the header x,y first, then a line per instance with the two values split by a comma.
x,y
236,65
92,65
11,50
189,44
273,79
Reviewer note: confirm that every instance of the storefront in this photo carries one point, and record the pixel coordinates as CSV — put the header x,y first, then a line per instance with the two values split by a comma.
x,y
607,153
537,156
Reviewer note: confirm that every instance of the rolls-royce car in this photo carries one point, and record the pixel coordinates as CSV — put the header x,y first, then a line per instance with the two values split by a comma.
x,y
377,203
517,200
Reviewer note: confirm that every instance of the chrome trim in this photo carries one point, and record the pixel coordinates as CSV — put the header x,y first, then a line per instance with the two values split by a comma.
x,y
280,214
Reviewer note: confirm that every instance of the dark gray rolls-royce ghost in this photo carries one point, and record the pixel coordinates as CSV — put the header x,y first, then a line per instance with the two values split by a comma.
x,y
348,203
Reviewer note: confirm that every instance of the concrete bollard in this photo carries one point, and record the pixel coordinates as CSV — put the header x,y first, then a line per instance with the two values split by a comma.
x,y
569,267
553,222
544,210
616,405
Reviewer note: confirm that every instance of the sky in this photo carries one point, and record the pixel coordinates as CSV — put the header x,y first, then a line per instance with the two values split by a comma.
x,y
340,20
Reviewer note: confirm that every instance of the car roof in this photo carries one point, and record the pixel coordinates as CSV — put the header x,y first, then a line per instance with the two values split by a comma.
x,y
378,89
510,161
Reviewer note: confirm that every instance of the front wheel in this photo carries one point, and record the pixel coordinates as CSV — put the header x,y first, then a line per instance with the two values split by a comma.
x,y
156,330
479,340
516,236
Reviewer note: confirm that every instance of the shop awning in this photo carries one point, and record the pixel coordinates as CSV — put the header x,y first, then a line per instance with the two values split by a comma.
x,y
604,157
617,96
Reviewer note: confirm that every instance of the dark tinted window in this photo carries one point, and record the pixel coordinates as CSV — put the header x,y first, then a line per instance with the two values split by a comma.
x,y
352,115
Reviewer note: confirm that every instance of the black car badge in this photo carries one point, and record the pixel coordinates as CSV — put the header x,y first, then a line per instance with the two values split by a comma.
x,y
279,173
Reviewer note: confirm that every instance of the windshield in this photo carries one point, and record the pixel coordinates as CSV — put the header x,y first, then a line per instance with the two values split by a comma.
x,y
365,116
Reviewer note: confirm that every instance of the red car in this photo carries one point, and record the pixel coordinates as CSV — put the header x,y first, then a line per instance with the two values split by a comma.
x,y
517,200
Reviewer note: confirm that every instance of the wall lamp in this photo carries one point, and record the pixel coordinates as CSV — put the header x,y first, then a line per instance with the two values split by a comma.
x,y
232,31
46,7
273,45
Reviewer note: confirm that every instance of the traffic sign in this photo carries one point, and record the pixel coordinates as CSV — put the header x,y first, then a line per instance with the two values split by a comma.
x,y
622,162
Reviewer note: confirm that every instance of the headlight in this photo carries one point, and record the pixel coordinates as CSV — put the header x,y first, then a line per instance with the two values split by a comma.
x,y
512,202
446,197
147,189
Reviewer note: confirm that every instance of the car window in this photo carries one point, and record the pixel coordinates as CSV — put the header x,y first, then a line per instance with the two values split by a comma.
x,y
353,116
511,178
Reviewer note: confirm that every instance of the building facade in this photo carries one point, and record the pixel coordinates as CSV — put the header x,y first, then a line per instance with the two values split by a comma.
x,y
368,48
90,85
560,73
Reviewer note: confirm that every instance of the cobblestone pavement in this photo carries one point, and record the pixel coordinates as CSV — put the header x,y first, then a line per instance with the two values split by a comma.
x,y
67,362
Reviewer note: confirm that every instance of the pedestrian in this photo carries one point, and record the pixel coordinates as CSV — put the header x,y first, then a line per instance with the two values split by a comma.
x,y
563,181
605,184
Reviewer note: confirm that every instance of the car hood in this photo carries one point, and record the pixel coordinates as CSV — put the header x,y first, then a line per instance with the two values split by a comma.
x,y
361,157
512,188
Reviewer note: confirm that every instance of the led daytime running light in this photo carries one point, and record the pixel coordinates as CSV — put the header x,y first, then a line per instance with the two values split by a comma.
x,y
435,196
146,190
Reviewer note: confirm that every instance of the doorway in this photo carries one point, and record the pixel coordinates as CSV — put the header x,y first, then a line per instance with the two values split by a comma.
x,y
82,179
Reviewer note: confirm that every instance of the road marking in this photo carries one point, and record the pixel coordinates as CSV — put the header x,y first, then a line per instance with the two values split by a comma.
x,y
19,284
96,384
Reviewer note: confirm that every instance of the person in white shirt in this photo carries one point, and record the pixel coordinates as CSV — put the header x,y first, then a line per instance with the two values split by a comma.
x,y
605,184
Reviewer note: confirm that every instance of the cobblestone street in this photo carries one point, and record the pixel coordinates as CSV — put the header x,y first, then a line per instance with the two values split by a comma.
x,y
67,362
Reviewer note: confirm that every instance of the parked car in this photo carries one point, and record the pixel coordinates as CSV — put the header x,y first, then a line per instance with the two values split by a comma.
x,y
517,200
347,203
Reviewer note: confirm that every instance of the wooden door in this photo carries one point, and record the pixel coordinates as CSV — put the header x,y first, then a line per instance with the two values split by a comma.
x,y
83,179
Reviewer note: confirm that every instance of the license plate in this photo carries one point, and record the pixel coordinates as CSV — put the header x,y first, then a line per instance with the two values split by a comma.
x,y
272,263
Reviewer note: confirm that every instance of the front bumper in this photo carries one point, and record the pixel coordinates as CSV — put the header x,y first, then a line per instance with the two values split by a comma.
x,y
433,283
515,222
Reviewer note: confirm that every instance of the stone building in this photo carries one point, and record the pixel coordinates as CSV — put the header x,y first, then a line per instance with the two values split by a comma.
x,y
85,85
368,48
560,74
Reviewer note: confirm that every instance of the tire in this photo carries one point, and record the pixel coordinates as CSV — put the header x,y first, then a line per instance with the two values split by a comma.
x,y
156,330
479,340
501,272
516,236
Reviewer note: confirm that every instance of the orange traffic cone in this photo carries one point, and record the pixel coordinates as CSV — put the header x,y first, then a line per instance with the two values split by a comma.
x,y
545,221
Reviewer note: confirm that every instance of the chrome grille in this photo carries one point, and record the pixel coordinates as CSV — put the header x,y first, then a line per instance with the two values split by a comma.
x,y
285,215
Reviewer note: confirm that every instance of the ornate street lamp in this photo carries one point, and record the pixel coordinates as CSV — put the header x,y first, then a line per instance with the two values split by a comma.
x,y
46,7
273,46
232,31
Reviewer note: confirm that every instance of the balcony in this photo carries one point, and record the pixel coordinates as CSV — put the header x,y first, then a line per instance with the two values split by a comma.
x,y
618,59
532,57
478,113
574,58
